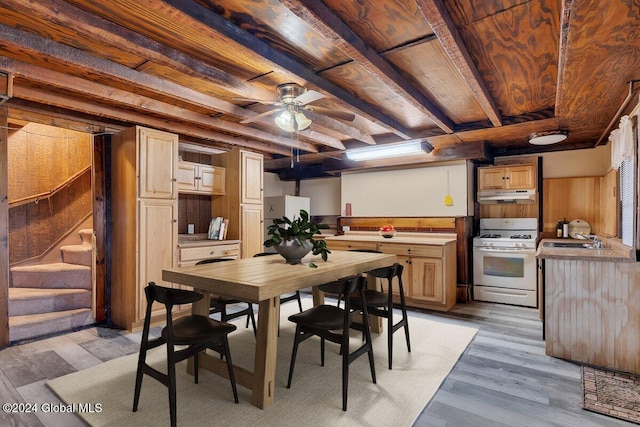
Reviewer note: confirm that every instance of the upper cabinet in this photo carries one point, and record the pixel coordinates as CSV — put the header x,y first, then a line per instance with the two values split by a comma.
x,y
252,176
196,178
516,177
157,155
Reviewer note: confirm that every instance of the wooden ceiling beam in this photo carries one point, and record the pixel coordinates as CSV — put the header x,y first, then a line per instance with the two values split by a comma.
x,y
331,27
93,27
282,62
443,26
111,96
82,64
70,102
565,17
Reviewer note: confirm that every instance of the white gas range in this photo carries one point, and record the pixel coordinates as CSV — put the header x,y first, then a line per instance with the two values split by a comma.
x,y
504,263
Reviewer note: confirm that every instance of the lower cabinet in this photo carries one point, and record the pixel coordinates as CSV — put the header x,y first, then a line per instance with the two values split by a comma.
x,y
429,274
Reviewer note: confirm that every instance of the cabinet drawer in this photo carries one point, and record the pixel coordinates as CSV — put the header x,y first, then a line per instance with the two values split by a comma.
x,y
412,250
345,246
206,252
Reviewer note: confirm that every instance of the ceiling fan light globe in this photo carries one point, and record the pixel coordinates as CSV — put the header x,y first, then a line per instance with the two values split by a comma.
x,y
284,121
302,121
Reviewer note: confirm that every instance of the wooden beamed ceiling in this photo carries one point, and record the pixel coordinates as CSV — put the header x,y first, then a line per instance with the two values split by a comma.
x,y
472,78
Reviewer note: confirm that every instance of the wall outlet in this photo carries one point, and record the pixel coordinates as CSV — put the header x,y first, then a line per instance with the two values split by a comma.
x,y
346,228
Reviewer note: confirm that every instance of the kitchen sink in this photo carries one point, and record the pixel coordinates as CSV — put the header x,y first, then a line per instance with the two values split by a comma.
x,y
572,245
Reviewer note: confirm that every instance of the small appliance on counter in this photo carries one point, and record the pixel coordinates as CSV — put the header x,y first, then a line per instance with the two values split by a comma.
x,y
504,262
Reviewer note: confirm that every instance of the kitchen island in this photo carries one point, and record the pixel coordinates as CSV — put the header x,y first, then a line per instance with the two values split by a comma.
x,y
429,260
592,304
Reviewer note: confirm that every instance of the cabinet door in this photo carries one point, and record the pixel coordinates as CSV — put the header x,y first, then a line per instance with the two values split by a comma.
x,y
520,177
427,280
251,177
157,167
491,178
187,176
206,179
251,230
157,234
218,181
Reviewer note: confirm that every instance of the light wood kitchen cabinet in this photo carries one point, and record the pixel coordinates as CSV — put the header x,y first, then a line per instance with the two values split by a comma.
x,y
516,177
157,163
429,274
144,212
242,203
196,178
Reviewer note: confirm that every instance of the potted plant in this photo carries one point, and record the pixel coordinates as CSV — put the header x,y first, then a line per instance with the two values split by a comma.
x,y
293,238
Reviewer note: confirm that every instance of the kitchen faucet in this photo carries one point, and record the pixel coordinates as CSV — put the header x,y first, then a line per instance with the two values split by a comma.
x,y
597,243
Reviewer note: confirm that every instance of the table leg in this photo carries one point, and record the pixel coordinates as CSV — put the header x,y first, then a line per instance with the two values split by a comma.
x,y
318,296
266,353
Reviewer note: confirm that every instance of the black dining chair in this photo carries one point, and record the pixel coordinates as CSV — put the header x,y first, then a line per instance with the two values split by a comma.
x,y
335,288
332,323
218,304
287,298
196,332
380,303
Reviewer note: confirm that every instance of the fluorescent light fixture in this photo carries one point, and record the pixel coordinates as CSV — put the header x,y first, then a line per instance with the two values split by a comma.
x,y
411,148
548,137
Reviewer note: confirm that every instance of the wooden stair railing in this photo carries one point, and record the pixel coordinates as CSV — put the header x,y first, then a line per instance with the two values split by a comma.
x,y
48,194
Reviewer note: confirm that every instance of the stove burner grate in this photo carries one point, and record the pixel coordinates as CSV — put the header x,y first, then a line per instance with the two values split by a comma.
x,y
490,236
521,236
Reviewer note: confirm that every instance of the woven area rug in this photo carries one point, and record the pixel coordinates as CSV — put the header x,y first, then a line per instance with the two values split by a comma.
x,y
611,393
314,398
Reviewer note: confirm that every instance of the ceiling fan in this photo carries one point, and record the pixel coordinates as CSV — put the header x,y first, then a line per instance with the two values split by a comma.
x,y
293,101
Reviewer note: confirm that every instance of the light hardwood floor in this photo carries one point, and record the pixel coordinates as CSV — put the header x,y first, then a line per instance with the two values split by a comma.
x,y
502,379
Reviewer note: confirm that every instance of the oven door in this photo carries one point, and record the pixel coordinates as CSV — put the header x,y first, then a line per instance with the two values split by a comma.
x,y
505,268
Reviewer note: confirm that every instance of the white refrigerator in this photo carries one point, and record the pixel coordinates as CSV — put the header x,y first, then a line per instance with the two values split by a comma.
x,y
279,206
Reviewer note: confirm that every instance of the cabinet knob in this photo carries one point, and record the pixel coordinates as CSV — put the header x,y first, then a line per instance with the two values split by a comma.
x,y
174,179
175,220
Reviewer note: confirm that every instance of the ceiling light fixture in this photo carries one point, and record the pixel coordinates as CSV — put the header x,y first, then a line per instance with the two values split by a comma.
x,y
389,150
548,137
292,119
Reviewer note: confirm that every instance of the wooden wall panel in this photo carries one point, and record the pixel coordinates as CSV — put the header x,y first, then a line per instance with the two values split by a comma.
x,y
570,198
40,158
608,207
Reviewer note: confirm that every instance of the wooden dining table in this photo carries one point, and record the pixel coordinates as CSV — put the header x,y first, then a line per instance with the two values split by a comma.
x,y
262,280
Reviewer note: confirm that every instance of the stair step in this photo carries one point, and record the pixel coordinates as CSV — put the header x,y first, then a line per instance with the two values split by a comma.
x,y
24,301
36,325
77,254
54,275
86,234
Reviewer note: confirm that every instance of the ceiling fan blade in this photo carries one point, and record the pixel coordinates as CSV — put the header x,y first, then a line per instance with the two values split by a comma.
x,y
308,97
334,113
261,101
261,115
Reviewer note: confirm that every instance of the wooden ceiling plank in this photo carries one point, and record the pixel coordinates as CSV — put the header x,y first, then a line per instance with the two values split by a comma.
x,y
90,26
46,118
73,103
325,22
108,95
282,62
70,57
443,26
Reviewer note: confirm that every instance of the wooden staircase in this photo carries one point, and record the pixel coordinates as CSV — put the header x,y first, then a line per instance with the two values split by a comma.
x,y
51,298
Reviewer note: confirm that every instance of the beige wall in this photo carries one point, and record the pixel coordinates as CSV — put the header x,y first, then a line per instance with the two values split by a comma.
x,y
589,162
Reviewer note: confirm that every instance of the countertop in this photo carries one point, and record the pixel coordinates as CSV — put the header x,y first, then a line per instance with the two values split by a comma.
x,y
439,239
613,252
200,239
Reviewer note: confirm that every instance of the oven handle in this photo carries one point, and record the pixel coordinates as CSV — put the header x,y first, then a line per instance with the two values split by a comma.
x,y
522,251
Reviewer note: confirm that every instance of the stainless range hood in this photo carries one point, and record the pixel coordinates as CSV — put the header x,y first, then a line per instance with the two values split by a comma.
x,y
488,197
